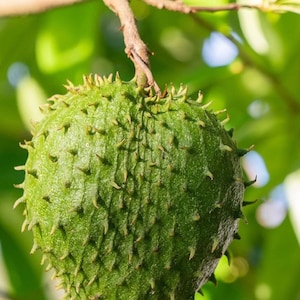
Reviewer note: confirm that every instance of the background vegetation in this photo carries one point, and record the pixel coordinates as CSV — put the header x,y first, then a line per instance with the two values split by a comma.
x,y
246,61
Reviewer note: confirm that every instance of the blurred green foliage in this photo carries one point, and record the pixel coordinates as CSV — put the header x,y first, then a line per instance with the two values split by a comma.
x,y
259,86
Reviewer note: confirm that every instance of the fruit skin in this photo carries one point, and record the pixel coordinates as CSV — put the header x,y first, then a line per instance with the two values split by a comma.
x,y
130,195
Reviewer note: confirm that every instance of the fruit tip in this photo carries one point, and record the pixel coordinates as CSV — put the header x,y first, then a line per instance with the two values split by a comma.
x,y
20,200
172,295
213,279
34,248
118,78
205,106
200,292
228,255
192,251
69,86
225,148
199,97
98,80
49,267
246,203
32,224
87,81
108,79
19,186
236,236
183,92
218,112
230,132
242,152
251,182
214,244
225,121
24,225
20,168
209,174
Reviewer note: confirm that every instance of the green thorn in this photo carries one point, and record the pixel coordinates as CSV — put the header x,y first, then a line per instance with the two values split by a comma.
x,y
228,255
103,160
205,106
31,224
218,112
115,185
90,130
201,123
230,132
213,279
93,279
214,245
236,236
20,200
152,283
242,152
196,217
46,198
225,148
84,110
19,186
73,151
209,174
240,215
32,172
53,158
65,126
45,133
100,131
34,248
121,143
95,104
86,170
199,97
98,80
192,251
67,184
251,182
24,225
115,122
245,203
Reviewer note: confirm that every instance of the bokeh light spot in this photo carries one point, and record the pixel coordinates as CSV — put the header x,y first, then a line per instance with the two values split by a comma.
x,y
16,72
271,213
258,108
263,292
218,50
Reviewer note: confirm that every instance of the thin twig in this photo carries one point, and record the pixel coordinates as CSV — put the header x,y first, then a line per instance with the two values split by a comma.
x,y
21,7
178,6
136,49
171,5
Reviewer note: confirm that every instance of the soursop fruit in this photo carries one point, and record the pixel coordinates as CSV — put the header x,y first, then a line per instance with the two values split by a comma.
x,y
130,195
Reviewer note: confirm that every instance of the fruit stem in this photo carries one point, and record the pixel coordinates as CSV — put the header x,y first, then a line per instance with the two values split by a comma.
x,y
135,48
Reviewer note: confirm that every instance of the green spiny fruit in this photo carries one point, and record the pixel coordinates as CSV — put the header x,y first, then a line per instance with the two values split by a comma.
x,y
130,195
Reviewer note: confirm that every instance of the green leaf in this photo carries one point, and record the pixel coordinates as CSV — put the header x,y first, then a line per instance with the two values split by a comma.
x,y
285,6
